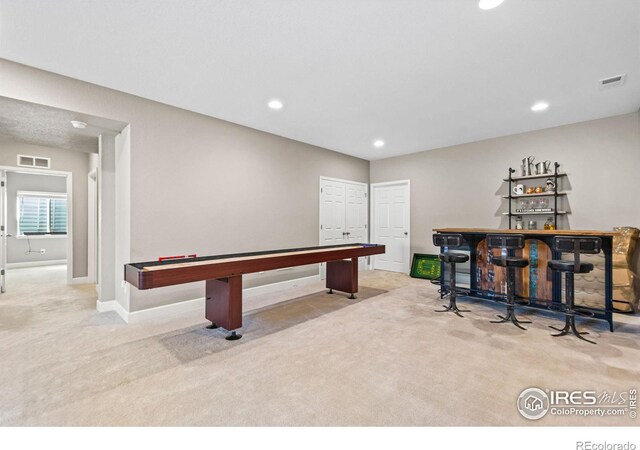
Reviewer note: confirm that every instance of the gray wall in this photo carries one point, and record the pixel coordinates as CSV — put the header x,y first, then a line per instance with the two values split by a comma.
x,y
203,185
69,161
200,184
55,247
461,186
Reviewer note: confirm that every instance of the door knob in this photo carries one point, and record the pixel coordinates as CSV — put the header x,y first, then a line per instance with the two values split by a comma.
x,y
406,233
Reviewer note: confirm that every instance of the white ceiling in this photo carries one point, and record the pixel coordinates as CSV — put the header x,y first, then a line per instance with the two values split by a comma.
x,y
419,74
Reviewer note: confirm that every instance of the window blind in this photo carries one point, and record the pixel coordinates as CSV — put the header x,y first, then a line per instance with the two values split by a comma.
x,y
58,215
42,213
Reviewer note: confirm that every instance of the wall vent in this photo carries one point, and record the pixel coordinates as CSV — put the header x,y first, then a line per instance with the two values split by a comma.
x,y
618,80
34,161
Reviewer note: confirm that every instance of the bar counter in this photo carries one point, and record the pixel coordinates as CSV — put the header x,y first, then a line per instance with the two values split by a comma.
x,y
536,285
485,231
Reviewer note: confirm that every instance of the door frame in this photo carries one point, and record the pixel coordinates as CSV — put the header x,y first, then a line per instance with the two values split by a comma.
x,y
321,212
3,231
92,226
69,179
372,211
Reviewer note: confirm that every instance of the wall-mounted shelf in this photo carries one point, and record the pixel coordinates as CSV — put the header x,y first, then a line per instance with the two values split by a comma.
x,y
513,180
533,177
536,213
544,194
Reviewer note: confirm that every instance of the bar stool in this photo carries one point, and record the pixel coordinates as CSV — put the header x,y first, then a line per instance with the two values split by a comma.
x,y
575,245
508,242
450,260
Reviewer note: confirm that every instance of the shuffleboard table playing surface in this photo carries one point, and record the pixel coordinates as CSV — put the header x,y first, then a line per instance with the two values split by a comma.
x,y
223,274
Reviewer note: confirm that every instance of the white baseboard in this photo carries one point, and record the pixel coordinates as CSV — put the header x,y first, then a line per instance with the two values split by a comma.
x,y
79,280
197,304
50,262
164,311
112,305
280,286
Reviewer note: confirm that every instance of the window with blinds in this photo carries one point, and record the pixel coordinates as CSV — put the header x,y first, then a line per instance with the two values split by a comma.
x,y
42,213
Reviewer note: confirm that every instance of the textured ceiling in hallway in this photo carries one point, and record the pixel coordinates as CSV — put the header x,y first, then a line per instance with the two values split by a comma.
x,y
51,127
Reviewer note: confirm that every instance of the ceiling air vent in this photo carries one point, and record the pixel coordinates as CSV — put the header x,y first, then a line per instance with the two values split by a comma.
x,y
618,80
34,161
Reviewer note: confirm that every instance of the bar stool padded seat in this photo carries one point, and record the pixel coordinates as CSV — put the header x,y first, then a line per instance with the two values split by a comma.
x,y
511,261
569,266
453,257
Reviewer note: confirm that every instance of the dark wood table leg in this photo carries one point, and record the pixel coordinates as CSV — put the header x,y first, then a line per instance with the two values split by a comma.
x,y
223,306
342,275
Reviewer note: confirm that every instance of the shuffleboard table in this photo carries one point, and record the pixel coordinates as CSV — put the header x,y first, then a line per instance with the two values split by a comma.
x,y
223,275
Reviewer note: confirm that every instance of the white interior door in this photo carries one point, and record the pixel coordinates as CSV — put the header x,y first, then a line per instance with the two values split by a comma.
x,y
3,230
391,225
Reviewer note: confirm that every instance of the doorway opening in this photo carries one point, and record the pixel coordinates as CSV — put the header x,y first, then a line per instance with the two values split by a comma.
x,y
92,161
36,221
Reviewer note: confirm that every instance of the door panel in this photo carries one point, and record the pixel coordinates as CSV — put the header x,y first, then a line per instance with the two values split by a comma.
x,y
356,216
392,223
334,220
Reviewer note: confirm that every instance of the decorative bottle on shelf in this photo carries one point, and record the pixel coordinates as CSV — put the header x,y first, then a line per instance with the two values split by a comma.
x,y
519,224
548,225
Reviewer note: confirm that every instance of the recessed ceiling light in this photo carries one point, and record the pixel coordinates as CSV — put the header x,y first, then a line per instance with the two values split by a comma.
x,y
78,124
378,143
275,104
489,4
539,106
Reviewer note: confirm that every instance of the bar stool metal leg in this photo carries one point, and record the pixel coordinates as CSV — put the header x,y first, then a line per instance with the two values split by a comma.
x,y
453,307
511,308
570,313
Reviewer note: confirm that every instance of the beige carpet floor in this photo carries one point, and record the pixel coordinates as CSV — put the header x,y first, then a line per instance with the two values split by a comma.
x,y
313,359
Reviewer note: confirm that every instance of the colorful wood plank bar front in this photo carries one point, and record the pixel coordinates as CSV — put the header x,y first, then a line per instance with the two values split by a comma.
x,y
536,285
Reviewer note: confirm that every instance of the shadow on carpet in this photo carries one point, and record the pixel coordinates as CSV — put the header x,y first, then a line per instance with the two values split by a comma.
x,y
196,342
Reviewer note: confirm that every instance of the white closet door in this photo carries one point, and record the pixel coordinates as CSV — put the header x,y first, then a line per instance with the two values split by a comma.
x,y
333,220
356,216
343,214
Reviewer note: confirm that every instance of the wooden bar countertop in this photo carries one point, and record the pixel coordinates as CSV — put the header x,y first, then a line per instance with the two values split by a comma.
x,y
526,232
